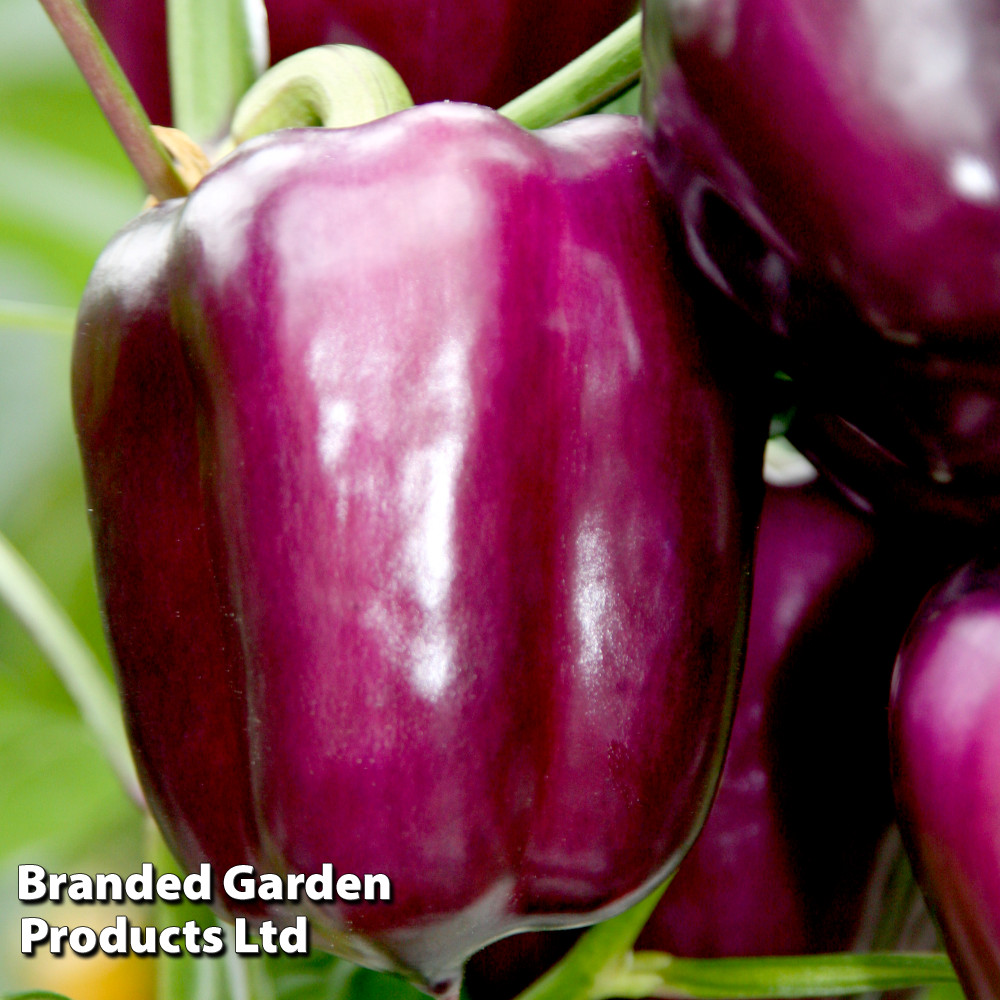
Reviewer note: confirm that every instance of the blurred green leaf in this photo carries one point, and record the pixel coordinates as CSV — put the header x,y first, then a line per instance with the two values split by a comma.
x,y
32,317
65,188
943,991
71,658
65,185
319,976
35,995
56,791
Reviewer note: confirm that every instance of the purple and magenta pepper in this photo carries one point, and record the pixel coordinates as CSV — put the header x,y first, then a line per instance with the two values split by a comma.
x,y
422,514
945,739
795,849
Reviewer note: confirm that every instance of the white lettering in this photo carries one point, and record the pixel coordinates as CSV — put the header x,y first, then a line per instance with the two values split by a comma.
x,y
244,889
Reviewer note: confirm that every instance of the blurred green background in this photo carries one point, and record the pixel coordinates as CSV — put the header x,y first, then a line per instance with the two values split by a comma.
x,y
65,187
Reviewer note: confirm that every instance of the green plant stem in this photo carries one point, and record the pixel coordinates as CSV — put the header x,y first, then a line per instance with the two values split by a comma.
x,y
652,974
334,86
602,966
58,320
116,98
603,946
52,630
586,83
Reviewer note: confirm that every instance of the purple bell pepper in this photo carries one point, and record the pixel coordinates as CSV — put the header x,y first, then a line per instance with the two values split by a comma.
x,y
945,740
484,51
837,168
422,517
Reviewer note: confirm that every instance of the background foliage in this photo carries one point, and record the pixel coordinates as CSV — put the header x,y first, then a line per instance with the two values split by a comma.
x,y
65,187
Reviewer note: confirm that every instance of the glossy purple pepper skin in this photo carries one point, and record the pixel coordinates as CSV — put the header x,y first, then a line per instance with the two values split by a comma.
x,y
945,739
422,516
484,51
837,167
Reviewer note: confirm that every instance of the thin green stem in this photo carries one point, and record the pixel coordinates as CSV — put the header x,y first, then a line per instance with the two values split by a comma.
x,y
116,98
593,79
576,975
59,320
653,974
34,606
603,966
239,976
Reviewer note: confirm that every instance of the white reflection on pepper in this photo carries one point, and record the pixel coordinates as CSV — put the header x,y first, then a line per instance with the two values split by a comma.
x,y
592,595
428,489
336,420
973,178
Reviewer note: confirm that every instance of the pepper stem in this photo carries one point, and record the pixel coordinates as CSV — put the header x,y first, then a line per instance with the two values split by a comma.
x,y
590,80
334,86
579,975
116,97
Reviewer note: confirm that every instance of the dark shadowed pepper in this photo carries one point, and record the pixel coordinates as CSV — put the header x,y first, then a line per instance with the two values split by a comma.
x,y
422,517
837,167
487,51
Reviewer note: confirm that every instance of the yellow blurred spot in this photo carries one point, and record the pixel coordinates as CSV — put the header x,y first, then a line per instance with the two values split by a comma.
x,y
99,977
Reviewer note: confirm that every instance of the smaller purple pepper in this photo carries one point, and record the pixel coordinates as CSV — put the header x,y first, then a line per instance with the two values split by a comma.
x,y
804,806
945,741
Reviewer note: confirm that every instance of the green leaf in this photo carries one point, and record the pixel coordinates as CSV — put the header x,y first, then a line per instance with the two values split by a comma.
x,y
51,628
653,974
216,52
56,793
37,318
35,995
944,991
